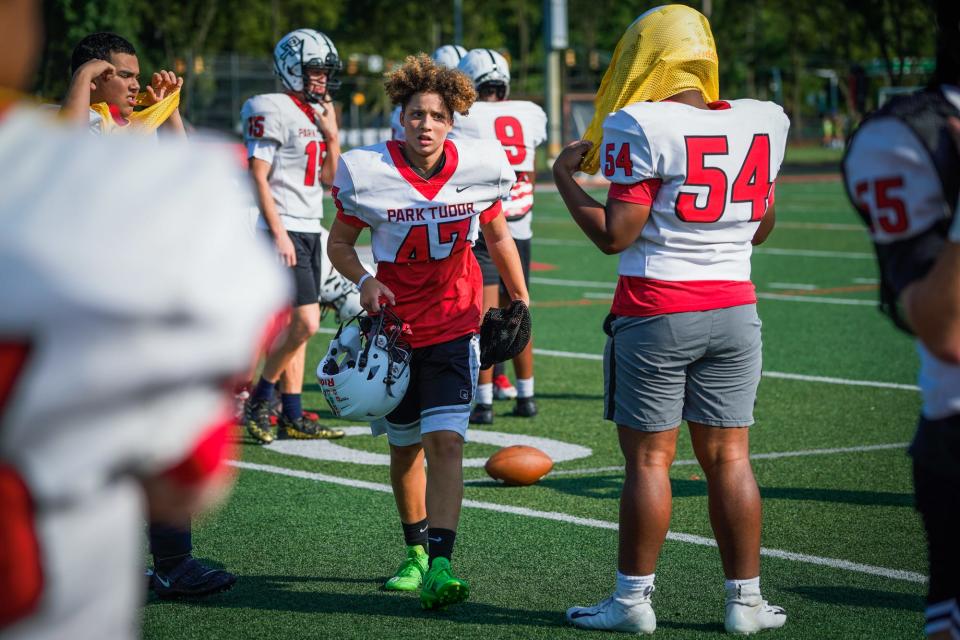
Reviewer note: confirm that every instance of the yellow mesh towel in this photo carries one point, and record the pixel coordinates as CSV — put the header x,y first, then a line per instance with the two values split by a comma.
x,y
667,50
144,121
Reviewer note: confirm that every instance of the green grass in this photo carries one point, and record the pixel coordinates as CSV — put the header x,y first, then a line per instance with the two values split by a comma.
x,y
311,555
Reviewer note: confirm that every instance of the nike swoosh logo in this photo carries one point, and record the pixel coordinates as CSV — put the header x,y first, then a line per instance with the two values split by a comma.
x,y
164,582
433,539
424,529
459,189
582,614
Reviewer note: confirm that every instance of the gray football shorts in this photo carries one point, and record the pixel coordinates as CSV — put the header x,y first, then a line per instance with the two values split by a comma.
x,y
699,366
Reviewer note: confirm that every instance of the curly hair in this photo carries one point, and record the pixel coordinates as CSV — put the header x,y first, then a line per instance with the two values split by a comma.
x,y
420,74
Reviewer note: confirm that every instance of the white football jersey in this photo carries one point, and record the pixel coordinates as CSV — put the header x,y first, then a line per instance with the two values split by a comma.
x,y
891,175
135,298
277,130
376,185
423,229
717,169
520,127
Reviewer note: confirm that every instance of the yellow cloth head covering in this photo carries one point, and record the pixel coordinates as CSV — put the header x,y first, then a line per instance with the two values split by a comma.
x,y
144,121
666,50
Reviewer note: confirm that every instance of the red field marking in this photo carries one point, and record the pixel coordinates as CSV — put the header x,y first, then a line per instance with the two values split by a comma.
x,y
541,266
816,292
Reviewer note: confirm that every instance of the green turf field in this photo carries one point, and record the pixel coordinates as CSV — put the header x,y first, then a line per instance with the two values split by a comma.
x,y
312,539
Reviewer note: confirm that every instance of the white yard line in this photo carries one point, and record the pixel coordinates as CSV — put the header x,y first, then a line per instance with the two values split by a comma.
x,y
757,456
833,563
855,302
792,285
813,253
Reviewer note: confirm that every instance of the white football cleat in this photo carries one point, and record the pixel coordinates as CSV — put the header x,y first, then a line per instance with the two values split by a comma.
x,y
616,614
747,612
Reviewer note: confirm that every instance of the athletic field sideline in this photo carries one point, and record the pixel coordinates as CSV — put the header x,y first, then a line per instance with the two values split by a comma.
x,y
312,531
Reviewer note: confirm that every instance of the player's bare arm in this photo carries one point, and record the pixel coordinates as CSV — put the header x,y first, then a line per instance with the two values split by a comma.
x,y
259,171
341,249
613,227
932,305
766,226
76,105
327,123
503,251
162,84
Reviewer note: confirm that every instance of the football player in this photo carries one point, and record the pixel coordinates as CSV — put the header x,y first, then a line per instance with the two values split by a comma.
x,y
105,83
901,171
105,88
449,56
293,148
692,176
113,363
425,200
520,126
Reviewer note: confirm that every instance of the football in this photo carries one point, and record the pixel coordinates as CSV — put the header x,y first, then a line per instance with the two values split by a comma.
x,y
518,465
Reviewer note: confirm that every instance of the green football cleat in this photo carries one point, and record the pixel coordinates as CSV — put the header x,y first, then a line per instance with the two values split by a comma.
x,y
441,588
409,576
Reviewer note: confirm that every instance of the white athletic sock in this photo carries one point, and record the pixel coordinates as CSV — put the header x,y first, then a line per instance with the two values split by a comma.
x,y
525,387
485,393
751,585
633,587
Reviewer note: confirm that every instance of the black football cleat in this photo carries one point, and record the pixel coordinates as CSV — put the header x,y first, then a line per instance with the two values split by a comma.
x,y
482,414
190,579
526,407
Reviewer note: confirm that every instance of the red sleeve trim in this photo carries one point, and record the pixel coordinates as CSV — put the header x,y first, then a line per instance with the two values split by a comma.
x,y
638,193
21,573
491,212
212,450
353,221
348,218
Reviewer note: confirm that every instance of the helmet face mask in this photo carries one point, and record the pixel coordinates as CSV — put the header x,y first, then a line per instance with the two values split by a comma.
x,y
307,49
487,69
366,370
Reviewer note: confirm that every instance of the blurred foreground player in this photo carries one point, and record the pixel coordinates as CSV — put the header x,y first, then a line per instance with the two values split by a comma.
x,y
103,92
683,335
119,334
520,126
902,172
425,200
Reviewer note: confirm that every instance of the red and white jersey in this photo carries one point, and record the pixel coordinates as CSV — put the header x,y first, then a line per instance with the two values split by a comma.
x,y
520,127
281,129
708,176
127,304
890,174
423,230
396,127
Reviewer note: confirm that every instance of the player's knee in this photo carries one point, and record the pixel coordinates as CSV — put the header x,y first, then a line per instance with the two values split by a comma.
x,y
444,445
303,327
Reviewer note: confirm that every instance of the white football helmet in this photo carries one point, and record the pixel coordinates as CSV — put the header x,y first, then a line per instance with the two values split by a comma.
x,y
449,55
487,67
366,371
305,48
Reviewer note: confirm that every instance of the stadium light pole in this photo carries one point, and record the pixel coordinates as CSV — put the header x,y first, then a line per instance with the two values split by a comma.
x,y
555,41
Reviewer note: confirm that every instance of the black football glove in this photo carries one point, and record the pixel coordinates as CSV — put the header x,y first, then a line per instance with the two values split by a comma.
x,y
504,333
